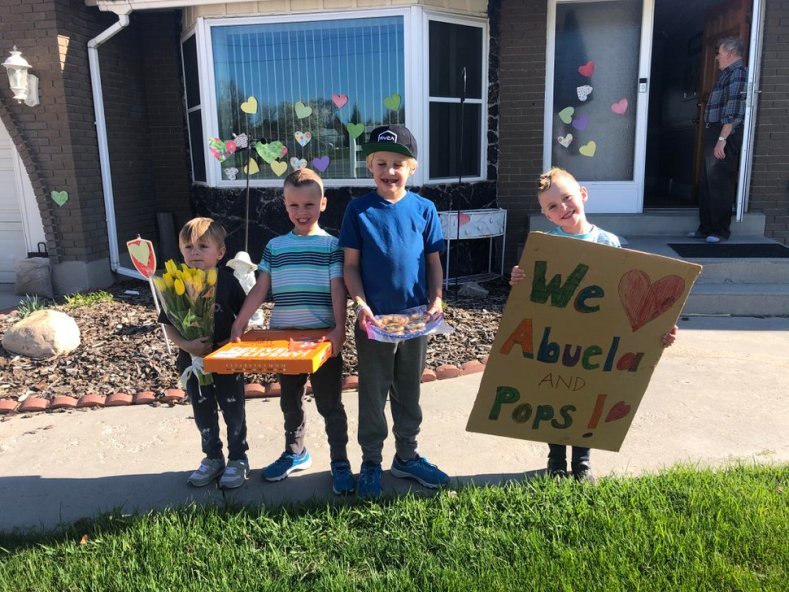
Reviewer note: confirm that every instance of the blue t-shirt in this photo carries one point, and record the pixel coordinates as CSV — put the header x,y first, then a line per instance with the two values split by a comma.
x,y
596,235
393,240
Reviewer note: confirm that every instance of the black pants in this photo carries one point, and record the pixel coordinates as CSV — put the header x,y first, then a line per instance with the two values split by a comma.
x,y
557,456
718,183
225,393
327,388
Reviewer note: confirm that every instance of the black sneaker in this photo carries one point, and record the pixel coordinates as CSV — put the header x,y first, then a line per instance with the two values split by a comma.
x,y
583,474
556,470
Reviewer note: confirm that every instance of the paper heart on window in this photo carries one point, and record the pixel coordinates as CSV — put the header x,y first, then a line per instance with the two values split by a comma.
x,y
392,102
302,110
230,146
565,140
298,163
253,167
619,107
588,149
303,138
587,69
241,140
218,149
355,129
566,114
584,92
231,173
321,163
581,123
279,167
250,106
339,100
271,151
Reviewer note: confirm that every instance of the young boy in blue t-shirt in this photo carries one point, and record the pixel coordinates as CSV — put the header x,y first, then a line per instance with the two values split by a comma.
x,y
392,240
304,271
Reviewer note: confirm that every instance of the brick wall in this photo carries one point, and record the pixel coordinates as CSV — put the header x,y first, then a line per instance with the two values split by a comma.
x,y
770,174
522,96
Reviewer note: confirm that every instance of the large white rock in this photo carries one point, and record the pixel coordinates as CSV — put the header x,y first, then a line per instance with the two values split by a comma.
x,y
44,334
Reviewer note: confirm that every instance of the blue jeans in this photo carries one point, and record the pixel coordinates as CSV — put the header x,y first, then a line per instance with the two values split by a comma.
x,y
225,393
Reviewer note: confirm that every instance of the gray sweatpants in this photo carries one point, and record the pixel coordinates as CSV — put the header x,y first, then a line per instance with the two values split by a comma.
x,y
394,370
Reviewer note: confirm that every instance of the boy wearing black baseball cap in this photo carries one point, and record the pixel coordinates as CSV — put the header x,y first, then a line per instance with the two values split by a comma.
x,y
392,241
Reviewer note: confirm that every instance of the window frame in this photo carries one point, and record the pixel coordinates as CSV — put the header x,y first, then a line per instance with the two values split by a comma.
x,y
416,22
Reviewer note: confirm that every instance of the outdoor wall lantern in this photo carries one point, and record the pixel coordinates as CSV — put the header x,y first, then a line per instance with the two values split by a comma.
x,y
24,85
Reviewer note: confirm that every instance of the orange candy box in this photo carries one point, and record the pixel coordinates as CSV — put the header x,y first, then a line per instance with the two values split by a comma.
x,y
295,351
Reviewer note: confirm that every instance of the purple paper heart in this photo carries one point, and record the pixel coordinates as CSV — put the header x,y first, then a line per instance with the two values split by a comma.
x,y
581,123
321,163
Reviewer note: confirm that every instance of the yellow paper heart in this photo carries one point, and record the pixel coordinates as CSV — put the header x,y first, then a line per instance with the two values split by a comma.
x,y
302,110
279,167
253,167
588,149
141,252
250,105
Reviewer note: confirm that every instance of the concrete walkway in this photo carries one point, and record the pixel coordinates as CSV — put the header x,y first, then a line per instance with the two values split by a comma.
x,y
720,394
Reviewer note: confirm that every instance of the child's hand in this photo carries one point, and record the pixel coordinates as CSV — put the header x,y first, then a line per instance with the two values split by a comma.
x,y
337,337
517,276
670,337
435,309
197,347
237,331
364,316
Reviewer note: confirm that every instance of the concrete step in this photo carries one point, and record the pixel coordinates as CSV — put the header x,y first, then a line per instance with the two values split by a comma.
x,y
739,299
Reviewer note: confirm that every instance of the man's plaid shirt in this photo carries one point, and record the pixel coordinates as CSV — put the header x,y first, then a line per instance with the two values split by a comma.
x,y
726,103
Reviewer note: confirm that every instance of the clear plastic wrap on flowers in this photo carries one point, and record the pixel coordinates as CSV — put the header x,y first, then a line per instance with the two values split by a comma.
x,y
187,295
407,324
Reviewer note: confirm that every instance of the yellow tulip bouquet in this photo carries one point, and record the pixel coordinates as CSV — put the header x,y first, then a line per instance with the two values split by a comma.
x,y
187,295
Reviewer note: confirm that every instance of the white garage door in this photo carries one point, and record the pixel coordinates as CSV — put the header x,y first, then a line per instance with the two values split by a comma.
x,y
15,192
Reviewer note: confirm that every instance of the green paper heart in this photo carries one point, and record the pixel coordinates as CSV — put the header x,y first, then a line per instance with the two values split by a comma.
x,y
269,152
355,129
302,110
59,197
566,114
392,102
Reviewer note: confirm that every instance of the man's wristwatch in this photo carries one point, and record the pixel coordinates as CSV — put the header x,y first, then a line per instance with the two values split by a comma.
x,y
721,139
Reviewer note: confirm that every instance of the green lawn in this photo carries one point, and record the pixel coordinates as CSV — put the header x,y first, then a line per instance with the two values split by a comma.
x,y
684,529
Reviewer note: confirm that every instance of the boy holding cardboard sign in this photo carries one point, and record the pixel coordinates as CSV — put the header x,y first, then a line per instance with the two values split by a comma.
x,y
304,270
562,202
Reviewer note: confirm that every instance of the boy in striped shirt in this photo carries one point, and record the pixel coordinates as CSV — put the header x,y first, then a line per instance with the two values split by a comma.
x,y
304,270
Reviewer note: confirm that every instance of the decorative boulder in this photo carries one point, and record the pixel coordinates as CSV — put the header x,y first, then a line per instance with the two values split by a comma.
x,y
43,334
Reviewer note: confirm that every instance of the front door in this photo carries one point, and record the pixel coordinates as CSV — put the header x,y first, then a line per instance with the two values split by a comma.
x,y
596,97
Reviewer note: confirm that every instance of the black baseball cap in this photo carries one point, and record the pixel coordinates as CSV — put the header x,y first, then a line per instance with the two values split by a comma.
x,y
391,138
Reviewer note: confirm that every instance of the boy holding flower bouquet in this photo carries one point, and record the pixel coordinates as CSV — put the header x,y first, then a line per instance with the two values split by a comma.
x,y
200,303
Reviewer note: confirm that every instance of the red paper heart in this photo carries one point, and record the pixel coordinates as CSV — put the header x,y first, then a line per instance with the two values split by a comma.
x,y
618,411
619,107
339,100
644,301
587,69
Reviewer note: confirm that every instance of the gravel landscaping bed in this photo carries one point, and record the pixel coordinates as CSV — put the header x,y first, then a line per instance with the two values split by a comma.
x,y
122,348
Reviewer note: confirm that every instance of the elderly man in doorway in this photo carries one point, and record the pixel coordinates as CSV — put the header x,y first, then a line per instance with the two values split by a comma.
x,y
722,143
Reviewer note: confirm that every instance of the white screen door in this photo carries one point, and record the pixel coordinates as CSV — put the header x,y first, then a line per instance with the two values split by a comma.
x,y
597,76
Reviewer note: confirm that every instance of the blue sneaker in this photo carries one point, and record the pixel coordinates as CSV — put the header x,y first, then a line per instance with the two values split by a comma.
x,y
286,464
421,470
369,480
342,477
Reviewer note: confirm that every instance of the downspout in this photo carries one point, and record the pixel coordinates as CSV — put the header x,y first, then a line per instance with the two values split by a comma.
x,y
101,132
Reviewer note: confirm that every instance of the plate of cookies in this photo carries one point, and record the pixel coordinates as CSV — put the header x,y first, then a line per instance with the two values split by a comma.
x,y
407,324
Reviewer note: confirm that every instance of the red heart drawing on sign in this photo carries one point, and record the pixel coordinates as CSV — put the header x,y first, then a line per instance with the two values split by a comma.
x,y
142,256
618,411
587,69
644,301
464,219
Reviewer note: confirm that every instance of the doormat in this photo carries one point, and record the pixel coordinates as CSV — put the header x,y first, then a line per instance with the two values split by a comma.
x,y
731,250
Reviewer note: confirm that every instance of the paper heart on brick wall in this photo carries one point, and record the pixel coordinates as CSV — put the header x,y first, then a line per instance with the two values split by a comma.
x,y
59,197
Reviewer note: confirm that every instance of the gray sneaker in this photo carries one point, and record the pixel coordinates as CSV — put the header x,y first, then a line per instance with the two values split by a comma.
x,y
208,471
235,474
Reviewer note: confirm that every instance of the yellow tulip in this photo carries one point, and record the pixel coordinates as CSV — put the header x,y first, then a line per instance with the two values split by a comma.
x,y
168,280
184,268
160,284
179,286
198,275
171,267
211,278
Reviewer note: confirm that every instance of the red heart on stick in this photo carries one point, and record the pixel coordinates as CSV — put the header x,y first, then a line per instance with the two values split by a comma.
x,y
644,301
618,411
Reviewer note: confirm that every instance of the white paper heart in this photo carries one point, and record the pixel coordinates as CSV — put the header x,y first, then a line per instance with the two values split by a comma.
x,y
565,140
241,140
303,138
584,92
231,173
298,163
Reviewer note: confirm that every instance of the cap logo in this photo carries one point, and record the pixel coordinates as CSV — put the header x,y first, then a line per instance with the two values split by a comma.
x,y
387,136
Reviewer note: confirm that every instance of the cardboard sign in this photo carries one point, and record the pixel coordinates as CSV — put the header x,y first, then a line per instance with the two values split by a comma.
x,y
142,256
578,342
296,351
